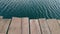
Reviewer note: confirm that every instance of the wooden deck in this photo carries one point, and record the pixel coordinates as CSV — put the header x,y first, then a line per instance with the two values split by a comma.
x,y
29,26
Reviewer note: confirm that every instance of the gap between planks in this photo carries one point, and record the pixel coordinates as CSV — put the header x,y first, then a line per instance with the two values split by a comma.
x,y
34,26
4,23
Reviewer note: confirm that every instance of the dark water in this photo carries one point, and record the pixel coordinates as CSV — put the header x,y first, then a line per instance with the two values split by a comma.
x,y
30,8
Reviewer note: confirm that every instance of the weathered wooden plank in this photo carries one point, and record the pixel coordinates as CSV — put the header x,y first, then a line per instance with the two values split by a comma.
x,y
44,26
25,26
15,26
34,26
4,23
53,25
59,22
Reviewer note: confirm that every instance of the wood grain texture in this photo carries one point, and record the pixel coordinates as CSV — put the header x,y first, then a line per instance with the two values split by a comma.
x,y
25,25
4,23
53,25
15,26
34,26
44,26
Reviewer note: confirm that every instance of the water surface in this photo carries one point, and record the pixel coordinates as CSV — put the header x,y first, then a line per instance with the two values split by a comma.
x,y
30,8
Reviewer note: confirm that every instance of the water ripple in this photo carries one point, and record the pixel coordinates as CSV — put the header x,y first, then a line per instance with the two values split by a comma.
x,y
30,8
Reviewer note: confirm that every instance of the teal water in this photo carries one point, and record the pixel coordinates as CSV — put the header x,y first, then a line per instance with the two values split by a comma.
x,y
30,8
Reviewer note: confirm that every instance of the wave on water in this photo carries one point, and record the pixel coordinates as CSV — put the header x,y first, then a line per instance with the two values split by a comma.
x,y
30,8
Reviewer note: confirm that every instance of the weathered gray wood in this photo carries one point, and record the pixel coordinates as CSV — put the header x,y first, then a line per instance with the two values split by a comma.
x,y
15,26
44,26
53,25
4,23
34,26
25,25
59,22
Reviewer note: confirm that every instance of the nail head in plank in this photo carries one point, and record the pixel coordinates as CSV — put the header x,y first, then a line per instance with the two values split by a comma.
x,y
25,25
4,25
44,26
15,26
53,25
34,26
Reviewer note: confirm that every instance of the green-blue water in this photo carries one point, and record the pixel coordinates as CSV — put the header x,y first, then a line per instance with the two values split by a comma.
x,y
30,8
